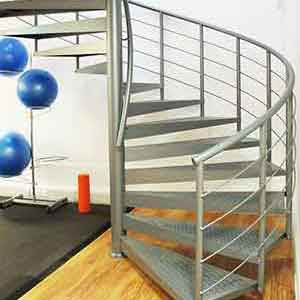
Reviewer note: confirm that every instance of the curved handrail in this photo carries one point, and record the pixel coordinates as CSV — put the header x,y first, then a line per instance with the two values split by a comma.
x,y
128,88
290,81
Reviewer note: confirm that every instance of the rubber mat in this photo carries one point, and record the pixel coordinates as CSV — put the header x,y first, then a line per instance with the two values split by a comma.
x,y
33,244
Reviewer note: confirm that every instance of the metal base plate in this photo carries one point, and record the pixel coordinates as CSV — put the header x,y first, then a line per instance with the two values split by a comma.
x,y
51,205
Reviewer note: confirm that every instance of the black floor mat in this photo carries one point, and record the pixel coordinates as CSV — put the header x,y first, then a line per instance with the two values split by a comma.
x,y
33,244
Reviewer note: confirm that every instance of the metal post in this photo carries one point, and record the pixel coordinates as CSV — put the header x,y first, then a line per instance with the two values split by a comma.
x,y
202,89
33,187
262,204
115,99
36,42
162,56
238,85
289,166
199,237
269,102
77,42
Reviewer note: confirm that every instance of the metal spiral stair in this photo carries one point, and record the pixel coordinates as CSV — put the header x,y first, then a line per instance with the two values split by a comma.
x,y
183,278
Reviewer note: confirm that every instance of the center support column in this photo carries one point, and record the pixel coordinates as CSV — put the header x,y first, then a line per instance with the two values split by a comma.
x,y
115,100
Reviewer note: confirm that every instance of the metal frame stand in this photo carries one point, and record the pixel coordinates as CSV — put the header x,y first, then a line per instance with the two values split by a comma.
x,y
51,204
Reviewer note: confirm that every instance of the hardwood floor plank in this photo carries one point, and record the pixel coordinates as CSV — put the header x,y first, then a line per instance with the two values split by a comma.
x,y
93,274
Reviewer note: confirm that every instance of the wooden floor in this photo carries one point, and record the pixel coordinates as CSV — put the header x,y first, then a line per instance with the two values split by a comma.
x,y
94,275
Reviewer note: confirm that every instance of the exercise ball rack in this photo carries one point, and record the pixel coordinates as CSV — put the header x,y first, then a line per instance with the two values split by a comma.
x,y
51,205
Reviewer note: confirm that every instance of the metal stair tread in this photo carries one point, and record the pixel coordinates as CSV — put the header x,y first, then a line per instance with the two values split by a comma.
x,y
174,125
60,29
186,173
95,48
214,202
215,237
154,151
147,107
97,69
31,7
174,273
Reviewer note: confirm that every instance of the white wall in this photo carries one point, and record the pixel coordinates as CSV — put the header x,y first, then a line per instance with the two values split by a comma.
x,y
76,127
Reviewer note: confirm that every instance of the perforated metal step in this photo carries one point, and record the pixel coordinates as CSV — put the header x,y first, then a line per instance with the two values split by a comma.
x,y
173,125
156,151
217,171
215,237
175,273
214,202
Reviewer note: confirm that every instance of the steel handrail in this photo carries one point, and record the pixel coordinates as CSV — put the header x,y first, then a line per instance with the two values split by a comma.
x,y
290,81
127,98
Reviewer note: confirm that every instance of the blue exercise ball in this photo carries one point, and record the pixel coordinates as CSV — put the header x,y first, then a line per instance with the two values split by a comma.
x,y
15,154
13,57
37,89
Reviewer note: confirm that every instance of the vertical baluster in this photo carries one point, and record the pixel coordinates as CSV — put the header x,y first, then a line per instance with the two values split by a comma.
x,y
238,85
202,79
262,204
77,42
199,237
289,165
162,56
269,102
114,58
33,174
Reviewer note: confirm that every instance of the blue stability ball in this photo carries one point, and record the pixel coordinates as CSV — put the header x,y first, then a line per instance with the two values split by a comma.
x,y
15,154
13,57
37,89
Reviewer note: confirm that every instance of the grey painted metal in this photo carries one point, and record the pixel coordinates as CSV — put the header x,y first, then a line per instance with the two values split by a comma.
x,y
174,273
32,7
59,29
155,151
262,205
269,103
77,18
148,107
115,101
199,241
98,69
51,205
238,84
128,88
173,125
95,48
142,87
162,56
202,72
217,171
214,238
215,202
32,144
289,165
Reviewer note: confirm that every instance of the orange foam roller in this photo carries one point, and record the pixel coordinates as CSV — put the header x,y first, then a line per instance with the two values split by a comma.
x,y
84,194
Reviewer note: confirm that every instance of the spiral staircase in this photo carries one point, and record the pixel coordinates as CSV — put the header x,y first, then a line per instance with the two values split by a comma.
x,y
248,168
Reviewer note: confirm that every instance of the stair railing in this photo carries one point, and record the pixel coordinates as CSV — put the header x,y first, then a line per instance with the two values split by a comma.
x,y
270,137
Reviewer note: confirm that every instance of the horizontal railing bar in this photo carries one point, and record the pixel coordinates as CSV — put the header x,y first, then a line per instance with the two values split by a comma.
x,y
220,47
218,188
254,61
241,264
220,64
